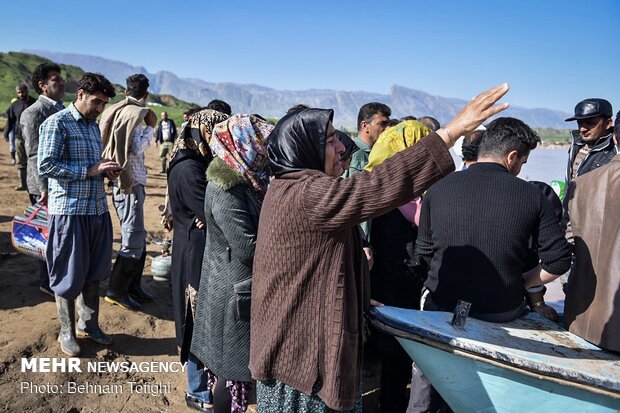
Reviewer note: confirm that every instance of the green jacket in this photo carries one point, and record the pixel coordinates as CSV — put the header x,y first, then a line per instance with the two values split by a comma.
x,y
359,160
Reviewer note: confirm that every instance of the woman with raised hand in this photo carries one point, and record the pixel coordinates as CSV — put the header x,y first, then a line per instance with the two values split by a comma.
x,y
308,290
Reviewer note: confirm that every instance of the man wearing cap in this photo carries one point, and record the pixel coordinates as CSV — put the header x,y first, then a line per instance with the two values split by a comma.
x,y
593,144
591,310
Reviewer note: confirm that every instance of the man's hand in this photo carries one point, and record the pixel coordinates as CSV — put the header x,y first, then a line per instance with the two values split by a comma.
x,y
536,299
474,114
547,312
43,198
370,256
150,119
105,167
538,276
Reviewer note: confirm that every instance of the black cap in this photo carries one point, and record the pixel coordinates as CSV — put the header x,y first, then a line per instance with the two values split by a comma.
x,y
591,108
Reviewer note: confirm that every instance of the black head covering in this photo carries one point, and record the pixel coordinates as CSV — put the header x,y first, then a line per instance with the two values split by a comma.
x,y
471,144
298,141
349,146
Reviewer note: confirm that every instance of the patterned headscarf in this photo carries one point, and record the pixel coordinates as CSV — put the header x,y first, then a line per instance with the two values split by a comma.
x,y
195,135
241,142
396,139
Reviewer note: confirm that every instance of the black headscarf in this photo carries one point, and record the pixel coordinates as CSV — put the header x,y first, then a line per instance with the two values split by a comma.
x,y
298,141
349,146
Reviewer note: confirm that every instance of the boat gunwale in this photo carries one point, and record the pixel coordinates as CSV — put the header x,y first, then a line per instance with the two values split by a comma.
x,y
386,328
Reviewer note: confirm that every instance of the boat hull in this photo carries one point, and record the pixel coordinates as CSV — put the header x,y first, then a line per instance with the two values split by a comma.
x,y
471,385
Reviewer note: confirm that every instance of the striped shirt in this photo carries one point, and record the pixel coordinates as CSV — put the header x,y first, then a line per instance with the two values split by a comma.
x,y
69,145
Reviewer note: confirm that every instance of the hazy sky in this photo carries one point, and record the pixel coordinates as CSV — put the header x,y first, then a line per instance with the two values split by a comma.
x,y
553,53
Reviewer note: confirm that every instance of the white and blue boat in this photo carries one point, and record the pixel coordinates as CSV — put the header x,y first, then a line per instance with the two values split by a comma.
x,y
527,365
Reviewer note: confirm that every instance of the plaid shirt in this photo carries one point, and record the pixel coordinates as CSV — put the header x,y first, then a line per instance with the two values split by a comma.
x,y
69,145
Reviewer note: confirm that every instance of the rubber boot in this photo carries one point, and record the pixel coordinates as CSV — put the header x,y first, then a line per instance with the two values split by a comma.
x,y
23,184
88,312
118,289
135,288
13,161
66,337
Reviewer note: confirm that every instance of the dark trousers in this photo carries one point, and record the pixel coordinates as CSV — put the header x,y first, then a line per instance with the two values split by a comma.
x,y
424,398
79,250
395,376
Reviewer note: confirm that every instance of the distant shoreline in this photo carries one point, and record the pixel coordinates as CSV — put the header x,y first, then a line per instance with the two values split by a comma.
x,y
554,145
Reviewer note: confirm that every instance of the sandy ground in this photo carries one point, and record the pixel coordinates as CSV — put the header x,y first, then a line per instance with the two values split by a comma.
x,y
29,325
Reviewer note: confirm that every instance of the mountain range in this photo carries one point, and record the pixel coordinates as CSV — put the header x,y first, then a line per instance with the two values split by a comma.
x,y
18,67
250,98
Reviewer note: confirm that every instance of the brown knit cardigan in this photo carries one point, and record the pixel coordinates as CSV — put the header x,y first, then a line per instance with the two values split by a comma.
x,y
309,269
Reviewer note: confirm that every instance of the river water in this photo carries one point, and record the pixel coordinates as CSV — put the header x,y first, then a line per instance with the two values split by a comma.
x,y
544,164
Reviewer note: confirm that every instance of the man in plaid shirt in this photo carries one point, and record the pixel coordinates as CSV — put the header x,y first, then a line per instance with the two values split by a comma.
x,y
79,249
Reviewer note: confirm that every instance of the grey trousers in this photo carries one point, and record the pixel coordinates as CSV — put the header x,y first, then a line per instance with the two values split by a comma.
x,y
79,250
130,211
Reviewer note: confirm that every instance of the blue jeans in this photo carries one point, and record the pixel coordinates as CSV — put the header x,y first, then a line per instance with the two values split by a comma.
x,y
130,211
197,381
12,141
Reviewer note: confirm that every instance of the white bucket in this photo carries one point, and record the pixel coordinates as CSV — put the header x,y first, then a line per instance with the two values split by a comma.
x,y
160,267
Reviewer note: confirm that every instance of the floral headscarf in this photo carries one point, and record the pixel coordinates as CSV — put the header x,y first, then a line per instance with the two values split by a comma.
x,y
241,142
396,139
195,135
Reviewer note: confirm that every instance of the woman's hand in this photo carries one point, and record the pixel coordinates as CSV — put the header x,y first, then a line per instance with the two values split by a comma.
x,y
199,223
370,256
474,113
166,215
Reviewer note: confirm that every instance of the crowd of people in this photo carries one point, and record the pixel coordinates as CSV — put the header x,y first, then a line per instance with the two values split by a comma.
x,y
285,234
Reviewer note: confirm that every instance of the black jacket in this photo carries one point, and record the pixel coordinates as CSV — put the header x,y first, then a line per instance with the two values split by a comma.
x,y
222,325
186,189
13,113
600,155
173,132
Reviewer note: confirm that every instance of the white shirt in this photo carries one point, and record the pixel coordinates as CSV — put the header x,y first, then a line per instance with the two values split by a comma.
x,y
140,141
